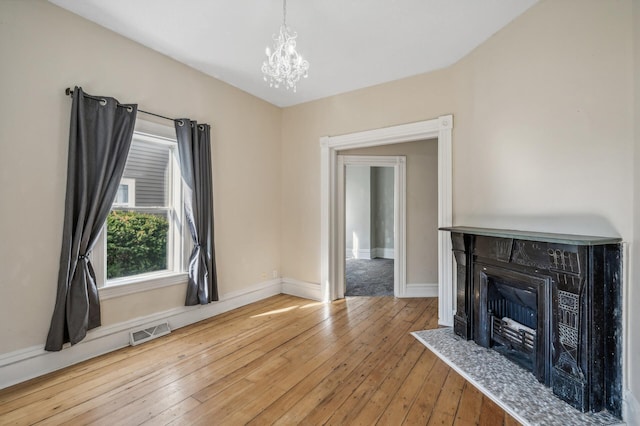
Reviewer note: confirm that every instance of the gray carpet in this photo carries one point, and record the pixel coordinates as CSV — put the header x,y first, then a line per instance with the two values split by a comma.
x,y
369,277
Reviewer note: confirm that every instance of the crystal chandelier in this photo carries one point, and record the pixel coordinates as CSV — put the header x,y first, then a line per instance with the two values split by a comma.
x,y
284,65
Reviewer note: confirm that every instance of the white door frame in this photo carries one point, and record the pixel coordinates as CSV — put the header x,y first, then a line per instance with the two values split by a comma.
x,y
440,128
399,216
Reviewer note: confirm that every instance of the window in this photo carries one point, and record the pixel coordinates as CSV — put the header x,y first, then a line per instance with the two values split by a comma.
x,y
126,193
143,241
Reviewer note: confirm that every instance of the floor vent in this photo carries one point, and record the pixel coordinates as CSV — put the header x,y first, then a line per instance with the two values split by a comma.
x,y
143,335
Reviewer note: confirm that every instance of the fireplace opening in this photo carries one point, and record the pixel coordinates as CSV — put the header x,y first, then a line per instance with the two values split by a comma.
x,y
513,318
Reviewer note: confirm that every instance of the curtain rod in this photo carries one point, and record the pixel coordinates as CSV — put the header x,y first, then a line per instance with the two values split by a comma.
x,y
69,92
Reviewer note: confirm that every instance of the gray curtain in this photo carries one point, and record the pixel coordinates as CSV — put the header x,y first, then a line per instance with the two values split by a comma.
x,y
99,139
194,149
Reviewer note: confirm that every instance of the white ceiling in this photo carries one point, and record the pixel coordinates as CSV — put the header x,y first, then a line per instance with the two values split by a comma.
x,y
350,44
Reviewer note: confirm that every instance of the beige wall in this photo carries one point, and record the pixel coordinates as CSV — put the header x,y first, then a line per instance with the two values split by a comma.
x,y
543,132
46,49
422,205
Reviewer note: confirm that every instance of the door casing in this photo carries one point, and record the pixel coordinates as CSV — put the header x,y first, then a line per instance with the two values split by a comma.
x,y
440,128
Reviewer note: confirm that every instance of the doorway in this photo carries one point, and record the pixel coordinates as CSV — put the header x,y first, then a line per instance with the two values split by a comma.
x,y
332,247
370,219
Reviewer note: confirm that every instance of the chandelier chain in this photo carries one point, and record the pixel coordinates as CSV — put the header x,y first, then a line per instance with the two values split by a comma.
x,y
284,12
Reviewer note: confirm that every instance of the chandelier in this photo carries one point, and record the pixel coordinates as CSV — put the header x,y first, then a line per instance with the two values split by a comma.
x,y
284,65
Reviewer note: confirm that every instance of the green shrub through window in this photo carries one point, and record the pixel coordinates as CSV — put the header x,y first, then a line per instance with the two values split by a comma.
x,y
136,243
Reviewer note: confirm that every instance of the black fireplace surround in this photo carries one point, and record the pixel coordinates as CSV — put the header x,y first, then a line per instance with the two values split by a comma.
x,y
549,302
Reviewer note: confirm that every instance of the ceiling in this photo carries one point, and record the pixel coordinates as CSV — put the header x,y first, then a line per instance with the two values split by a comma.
x,y
350,44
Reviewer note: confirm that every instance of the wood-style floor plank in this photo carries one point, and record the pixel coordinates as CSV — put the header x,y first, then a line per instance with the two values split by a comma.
x,y
470,406
448,400
490,413
283,360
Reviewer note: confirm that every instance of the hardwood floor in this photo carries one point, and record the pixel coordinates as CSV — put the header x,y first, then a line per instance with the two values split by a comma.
x,y
283,360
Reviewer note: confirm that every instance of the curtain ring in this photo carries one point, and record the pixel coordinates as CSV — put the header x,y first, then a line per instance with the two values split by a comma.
x,y
103,102
130,109
193,124
180,122
201,127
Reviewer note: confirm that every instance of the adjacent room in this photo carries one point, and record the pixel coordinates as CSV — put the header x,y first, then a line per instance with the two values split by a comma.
x,y
369,230
192,190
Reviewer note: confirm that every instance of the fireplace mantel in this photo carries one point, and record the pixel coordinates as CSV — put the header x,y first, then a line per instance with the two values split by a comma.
x,y
579,337
578,240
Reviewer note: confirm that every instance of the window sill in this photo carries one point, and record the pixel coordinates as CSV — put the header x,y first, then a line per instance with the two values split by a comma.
x,y
139,284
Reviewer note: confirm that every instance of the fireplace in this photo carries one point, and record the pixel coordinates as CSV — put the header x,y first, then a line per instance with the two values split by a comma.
x,y
550,303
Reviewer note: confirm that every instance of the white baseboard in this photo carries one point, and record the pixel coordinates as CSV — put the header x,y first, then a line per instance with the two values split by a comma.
x,y
378,252
301,289
384,253
358,254
630,409
421,290
27,363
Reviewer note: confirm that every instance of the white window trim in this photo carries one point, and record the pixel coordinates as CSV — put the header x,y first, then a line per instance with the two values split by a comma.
x,y
181,246
140,283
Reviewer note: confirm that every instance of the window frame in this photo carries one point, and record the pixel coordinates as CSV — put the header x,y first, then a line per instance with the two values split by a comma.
x,y
131,192
178,240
